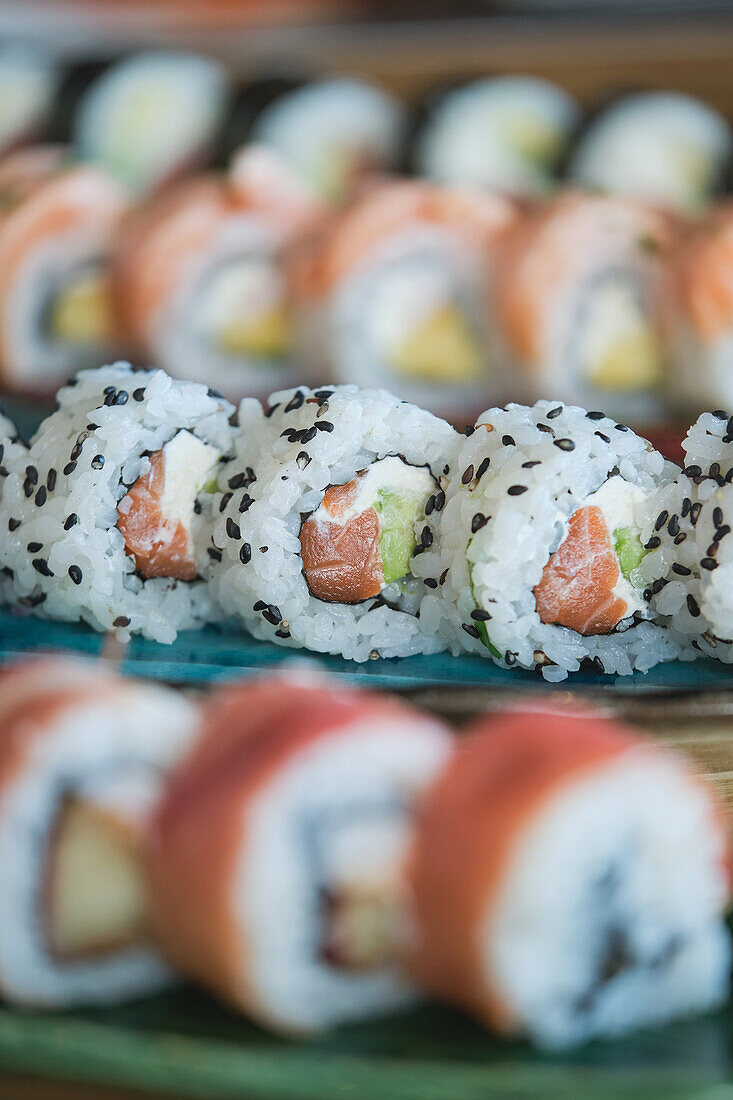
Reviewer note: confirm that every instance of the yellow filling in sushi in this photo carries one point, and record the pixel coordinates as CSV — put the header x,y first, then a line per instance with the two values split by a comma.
x,y
440,349
82,313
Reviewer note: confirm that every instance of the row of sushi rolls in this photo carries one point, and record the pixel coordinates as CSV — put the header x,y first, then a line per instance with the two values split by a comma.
x,y
315,855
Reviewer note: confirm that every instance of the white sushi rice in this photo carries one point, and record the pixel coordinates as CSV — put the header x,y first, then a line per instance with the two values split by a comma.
x,y
503,520
12,458
284,462
629,866
60,510
691,568
89,743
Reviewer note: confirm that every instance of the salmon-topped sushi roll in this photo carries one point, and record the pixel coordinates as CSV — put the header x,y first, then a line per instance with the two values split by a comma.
x,y
536,555
201,276
320,517
102,518
690,568
578,298
57,227
276,856
699,313
399,293
83,754
569,880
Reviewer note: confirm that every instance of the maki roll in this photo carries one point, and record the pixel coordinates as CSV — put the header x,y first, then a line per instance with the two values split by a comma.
x,y
690,569
400,294
535,558
333,133
664,147
578,297
150,116
12,458
57,227
82,761
569,881
505,133
201,276
102,521
699,313
276,855
28,82
320,517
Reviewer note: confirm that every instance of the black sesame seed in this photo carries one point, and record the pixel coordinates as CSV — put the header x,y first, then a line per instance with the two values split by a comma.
x,y
708,563
443,577
508,441
653,543
692,471
41,496
302,460
681,570
245,553
34,547
718,517
51,480
478,521
564,444
76,574
680,538
98,462
28,488
430,582
482,468
197,507
692,606
110,398
673,526
108,390
467,475
621,428
553,413
529,465
233,529
291,434
661,520
121,397
686,505
714,470
720,414
516,490
139,394
215,393
471,629
31,475
646,595
41,566
272,614
238,481
213,553
722,531
469,430
263,549
657,586
69,468
13,524
246,503
295,401
594,415
259,606
430,505
545,428
70,521
439,500
712,549
599,666
322,395
270,410
121,620
224,501
510,658
600,435
480,615
322,426
695,512
285,634
426,537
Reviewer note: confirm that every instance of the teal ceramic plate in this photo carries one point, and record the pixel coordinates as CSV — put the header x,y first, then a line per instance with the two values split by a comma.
x,y
225,653
184,1043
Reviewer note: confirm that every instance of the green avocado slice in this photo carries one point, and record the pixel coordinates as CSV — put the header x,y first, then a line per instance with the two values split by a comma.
x,y
398,514
630,552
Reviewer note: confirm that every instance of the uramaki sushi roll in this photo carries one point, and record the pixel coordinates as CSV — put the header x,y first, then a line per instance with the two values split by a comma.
x,y
12,458
569,880
320,517
689,569
83,754
201,276
698,313
101,520
535,559
400,294
57,227
276,855
578,298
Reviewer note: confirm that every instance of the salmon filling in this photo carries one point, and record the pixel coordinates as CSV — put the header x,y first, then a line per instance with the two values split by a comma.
x,y
363,535
588,583
156,515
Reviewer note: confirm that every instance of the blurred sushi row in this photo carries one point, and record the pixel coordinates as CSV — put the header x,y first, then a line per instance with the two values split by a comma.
x,y
148,115
316,855
347,521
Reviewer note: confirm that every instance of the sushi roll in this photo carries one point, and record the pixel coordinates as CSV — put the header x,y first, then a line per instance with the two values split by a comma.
x,y
333,133
276,854
664,147
150,116
689,571
699,313
201,276
28,82
57,227
534,560
102,520
12,458
569,881
400,294
82,761
578,298
505,133
320,516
